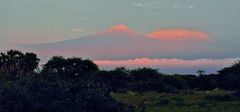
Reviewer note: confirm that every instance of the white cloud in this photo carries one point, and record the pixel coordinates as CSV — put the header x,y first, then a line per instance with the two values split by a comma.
x,y
171,65
77,30
191,6
178,6
146,5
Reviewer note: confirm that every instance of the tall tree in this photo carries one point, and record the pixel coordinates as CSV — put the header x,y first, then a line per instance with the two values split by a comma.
x,y
72,67
16,63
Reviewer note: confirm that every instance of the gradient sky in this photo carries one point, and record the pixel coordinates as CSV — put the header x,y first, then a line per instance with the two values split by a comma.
x,y
24,22
39,21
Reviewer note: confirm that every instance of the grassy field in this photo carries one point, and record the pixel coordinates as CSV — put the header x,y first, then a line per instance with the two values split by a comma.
x,y
197,101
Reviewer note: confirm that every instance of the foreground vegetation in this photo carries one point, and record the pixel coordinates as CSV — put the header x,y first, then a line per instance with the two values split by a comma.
x,y
186,101
77,85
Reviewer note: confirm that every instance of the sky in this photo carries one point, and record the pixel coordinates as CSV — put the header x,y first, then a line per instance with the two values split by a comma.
x,y
30,22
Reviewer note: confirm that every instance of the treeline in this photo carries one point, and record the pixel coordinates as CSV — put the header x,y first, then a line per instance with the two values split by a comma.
x,y
76,84
147,79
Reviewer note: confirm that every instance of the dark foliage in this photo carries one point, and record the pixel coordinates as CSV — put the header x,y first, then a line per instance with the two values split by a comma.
x,y
230,77
220,97
237,94
16,63
70,67
76,84
43,94
163,102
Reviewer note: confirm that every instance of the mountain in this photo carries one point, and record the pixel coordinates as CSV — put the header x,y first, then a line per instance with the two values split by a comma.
x,y
120,42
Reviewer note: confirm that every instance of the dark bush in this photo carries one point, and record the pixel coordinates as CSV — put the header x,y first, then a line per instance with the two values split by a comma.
x,y
237,94
163,102
219,97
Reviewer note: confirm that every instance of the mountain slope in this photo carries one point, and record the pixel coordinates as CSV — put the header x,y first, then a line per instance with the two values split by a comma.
x,y
120,42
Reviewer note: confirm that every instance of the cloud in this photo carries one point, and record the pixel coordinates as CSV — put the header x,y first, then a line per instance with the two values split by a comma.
x,y
77,30
170,65
178,6
179,34
185,4
191,6
146,5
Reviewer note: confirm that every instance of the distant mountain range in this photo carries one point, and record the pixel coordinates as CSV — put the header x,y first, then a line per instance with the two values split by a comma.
x,y
120,42
170,50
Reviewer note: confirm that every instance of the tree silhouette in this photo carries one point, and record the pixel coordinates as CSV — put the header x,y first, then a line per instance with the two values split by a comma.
x,y
55,65
230,76
201,72
72,67
16,63
145,73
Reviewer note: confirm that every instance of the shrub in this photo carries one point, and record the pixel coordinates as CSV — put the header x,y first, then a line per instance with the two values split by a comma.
x,y
219,97
237,94
163,102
